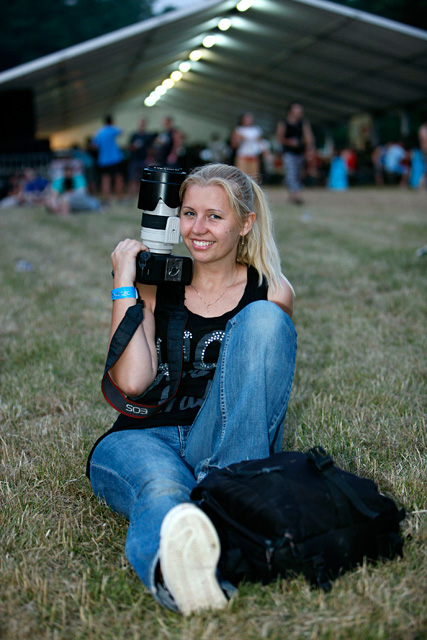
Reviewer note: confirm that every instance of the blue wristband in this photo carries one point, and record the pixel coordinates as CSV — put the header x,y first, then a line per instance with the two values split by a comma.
x,y
124,292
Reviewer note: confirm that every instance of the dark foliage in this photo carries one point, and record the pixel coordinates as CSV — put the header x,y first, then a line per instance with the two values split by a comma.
x,y
412,12
29,30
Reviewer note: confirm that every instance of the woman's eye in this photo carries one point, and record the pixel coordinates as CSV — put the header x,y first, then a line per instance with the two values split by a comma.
x,y
214,216
188,213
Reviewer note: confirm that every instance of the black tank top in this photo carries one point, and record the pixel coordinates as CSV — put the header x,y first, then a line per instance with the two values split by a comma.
x,y
294,131
202,342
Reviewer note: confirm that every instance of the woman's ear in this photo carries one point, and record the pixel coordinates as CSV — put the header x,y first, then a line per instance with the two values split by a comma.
x,y
247,225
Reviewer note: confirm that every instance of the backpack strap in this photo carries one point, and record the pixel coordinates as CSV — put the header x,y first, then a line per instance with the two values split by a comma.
x,y
324,463
121,338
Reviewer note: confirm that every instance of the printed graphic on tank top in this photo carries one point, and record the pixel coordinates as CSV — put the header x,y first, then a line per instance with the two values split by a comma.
x,y
201,345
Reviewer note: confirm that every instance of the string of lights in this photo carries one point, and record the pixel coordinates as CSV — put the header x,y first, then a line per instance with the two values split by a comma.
x,y
183,67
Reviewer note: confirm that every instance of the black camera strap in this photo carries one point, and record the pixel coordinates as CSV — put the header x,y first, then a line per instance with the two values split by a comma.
x,y
120,340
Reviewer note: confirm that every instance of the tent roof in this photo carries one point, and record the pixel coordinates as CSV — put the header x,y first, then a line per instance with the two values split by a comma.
x,y
336,61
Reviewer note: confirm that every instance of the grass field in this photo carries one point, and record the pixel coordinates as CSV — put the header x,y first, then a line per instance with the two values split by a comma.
x,y
359,390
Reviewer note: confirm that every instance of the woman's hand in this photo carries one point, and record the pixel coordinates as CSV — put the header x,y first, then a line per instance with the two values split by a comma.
x,y
123,260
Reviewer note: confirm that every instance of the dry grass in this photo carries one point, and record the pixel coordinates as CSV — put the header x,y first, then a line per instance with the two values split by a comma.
x,y
359,391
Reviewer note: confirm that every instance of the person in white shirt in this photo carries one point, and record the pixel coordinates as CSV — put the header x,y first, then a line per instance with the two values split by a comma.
x,y
246,139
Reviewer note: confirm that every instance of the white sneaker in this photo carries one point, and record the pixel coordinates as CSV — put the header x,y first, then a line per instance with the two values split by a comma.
x,y
189,554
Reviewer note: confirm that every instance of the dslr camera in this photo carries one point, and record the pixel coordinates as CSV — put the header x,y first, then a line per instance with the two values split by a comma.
x,y
159,201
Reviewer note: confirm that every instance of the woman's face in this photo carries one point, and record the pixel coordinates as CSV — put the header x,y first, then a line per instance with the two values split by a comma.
x,y
209,227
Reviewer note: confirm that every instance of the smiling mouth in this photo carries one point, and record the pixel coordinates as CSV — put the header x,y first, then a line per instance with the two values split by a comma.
x,y
202,244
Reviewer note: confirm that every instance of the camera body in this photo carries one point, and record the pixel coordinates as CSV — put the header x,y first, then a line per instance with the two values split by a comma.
x,y
159,202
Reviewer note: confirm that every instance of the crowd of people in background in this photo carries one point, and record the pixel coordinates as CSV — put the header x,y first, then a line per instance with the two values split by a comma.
x,y
86,178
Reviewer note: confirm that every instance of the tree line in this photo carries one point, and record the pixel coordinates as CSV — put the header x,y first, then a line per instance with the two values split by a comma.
x,y
29,29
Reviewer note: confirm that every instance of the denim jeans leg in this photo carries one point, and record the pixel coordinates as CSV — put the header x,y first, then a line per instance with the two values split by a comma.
x,y
141,474
293,164
242,417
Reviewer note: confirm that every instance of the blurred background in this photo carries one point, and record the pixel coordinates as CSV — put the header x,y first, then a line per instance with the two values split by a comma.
x,y
182,73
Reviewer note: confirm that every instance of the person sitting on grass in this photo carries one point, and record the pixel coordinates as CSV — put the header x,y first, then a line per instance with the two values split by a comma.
x,y
33,189
239,359
69,194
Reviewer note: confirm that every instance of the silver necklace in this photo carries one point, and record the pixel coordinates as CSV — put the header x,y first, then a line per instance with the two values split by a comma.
x,y
211,304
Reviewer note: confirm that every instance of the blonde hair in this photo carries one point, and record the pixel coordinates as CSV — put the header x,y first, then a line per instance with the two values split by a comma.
x,y
257,248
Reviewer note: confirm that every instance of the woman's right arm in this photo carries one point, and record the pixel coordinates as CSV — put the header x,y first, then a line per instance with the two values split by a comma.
x,y
137,367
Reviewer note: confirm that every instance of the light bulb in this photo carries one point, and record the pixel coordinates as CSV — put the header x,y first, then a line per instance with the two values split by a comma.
x,y
224,24
209,41
244,5
185,66
195,55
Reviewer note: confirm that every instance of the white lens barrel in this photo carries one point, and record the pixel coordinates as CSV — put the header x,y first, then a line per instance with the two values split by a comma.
x,y
162,240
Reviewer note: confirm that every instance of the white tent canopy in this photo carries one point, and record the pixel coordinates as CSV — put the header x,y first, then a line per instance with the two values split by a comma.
x,y
336,61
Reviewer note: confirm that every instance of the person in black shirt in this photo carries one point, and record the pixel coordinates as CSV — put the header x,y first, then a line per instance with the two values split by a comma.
x,y
168,145
239,348
139,145
296,137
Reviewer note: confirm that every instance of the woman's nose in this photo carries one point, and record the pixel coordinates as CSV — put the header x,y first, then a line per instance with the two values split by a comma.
x,y
199,225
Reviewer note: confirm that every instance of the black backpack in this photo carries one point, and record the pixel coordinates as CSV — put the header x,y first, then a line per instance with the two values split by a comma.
x,y
297,513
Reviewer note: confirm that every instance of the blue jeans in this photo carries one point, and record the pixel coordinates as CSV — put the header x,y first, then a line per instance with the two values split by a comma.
x,y
142,474
293,163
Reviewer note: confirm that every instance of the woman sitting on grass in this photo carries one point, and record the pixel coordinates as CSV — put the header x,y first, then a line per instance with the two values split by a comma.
x,y
239,359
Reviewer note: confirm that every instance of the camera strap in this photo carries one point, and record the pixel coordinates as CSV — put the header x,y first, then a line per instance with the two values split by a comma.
x,y
120,340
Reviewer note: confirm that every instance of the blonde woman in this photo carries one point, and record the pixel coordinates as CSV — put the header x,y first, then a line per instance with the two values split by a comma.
x,y
239,358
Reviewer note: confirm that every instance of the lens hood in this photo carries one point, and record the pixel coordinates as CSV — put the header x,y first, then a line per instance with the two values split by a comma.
x,y
160,182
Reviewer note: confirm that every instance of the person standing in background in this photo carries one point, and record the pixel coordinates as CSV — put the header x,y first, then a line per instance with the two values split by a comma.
x,y
168,145
396,163
246,139
422,139
110,159
296,137
139,144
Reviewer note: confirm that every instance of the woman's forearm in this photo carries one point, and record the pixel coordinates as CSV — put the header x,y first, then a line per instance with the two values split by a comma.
x,y
137,367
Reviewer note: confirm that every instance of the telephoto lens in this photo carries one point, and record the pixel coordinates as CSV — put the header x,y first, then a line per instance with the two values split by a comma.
x,y
159,201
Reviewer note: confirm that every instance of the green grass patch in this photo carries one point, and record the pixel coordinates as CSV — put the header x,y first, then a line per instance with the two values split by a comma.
x,y
359,390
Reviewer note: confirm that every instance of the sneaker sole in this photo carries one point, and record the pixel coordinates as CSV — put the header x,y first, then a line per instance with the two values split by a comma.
x,y
189,554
